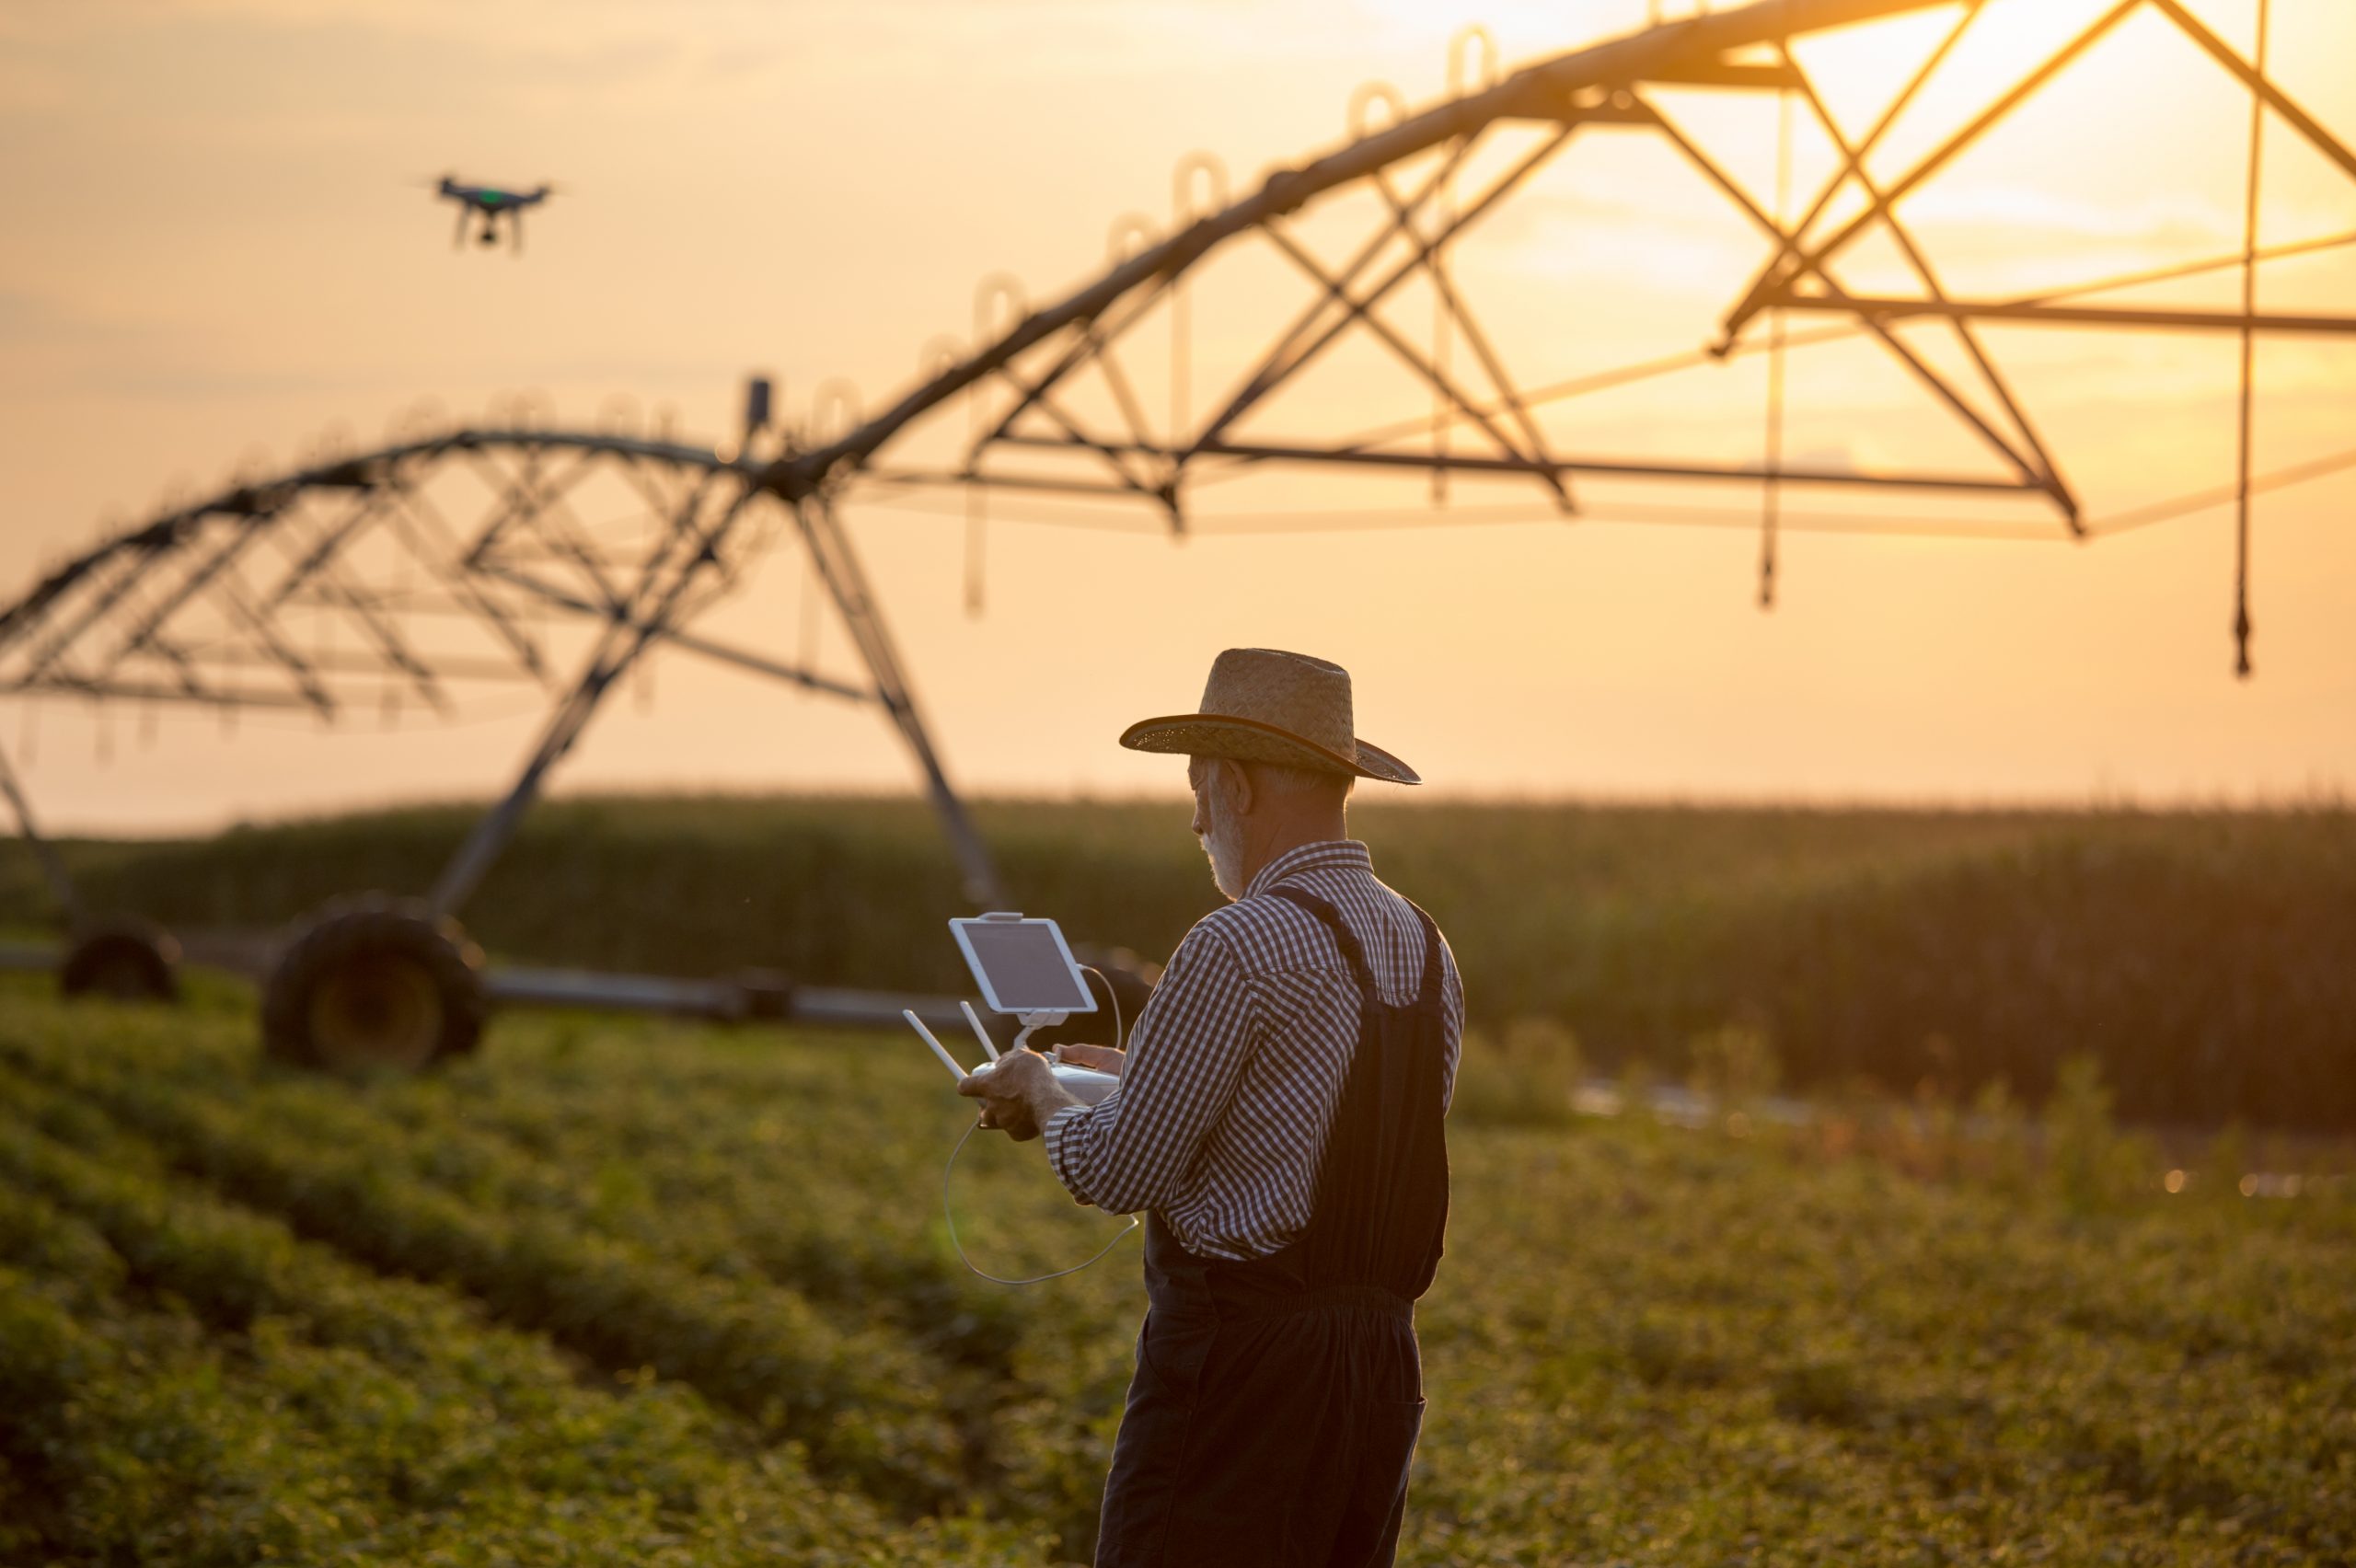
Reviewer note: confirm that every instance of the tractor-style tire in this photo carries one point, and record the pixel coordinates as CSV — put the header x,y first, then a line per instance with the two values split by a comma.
x,y
124,958
375,982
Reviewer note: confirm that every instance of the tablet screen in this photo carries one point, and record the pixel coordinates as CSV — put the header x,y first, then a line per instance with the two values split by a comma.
x,y
1023,966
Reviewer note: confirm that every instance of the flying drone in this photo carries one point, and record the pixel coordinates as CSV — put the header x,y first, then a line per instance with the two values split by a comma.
x,y
491,202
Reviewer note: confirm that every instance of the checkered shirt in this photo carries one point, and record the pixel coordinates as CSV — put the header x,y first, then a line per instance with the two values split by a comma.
x,y
1236,1066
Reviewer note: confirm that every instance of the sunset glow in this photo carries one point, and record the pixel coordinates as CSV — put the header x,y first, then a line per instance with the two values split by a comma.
x,y
813,194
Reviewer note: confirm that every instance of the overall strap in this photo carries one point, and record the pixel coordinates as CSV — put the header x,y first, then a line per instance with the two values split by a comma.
x,y
1381,1205
1352,953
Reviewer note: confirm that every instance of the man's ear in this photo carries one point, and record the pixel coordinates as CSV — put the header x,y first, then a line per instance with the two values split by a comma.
x,y
1243,793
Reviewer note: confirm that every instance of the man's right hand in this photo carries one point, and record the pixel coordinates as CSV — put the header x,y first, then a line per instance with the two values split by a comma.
x,y
1103,1058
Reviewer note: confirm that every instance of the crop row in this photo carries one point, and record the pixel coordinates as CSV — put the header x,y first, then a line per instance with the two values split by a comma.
x,y
1957,1326
785,1162
187,1382
832,1202
860,1402
1644,1346
817,1160
694,1175
864,1255
1675,1346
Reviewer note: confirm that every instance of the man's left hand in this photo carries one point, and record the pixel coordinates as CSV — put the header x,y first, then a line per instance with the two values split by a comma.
x,y
1018,1094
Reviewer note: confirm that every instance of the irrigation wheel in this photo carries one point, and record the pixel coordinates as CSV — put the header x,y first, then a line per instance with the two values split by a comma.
x,y
123,957
375,981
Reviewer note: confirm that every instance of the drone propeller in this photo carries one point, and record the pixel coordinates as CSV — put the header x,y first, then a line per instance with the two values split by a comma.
x,y
485,205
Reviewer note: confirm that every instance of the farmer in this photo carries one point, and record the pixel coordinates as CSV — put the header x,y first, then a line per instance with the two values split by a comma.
x,y
1279,1120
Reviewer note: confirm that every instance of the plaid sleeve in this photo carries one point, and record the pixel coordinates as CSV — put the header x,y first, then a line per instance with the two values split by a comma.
x,y
1131,1150
1452,988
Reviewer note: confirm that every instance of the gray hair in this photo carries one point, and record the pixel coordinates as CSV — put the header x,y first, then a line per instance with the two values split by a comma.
x,y
1293,783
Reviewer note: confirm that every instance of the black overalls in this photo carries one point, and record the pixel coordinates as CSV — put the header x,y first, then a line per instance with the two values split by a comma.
x,y
1276,1401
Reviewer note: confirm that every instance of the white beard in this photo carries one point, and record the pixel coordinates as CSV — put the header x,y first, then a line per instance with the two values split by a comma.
x,y
1224,845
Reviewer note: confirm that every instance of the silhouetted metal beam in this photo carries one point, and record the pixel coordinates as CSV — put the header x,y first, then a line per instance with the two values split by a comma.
x,y
709,648
2045,468
663,581
1634,58
52,869
1350,456
331,662
837,565
1877,305
1792,258
1768,75
143,691
2256,81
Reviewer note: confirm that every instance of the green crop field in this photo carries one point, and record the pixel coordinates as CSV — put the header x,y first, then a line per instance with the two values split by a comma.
x,y
2200,957
628,1292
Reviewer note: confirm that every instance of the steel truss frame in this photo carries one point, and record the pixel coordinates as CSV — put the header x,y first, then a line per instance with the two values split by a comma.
x,y
1609,87
129,621
106,625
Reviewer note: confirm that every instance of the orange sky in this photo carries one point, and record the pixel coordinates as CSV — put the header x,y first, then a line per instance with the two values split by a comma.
x,y
212,248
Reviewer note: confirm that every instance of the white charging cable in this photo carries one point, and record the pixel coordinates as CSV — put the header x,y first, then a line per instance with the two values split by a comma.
x,y
1115,997
951,1219
1000,1279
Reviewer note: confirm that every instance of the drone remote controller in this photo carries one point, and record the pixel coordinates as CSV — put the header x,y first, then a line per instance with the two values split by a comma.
x,y
1024,968
1086,1084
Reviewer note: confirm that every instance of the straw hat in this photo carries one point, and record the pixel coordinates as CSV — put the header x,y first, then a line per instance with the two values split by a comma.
x,y
1265,705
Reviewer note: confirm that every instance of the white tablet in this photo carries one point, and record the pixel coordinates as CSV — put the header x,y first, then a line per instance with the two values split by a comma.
x,y
1023,966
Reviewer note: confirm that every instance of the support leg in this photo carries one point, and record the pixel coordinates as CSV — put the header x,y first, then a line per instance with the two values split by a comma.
x,y
53,867
688,551
839,568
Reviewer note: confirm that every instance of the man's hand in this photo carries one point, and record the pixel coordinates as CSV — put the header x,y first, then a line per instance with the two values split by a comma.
x,y
1103,1058
1018,1094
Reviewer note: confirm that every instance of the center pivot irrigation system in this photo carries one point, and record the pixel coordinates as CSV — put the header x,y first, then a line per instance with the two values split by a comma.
x,y
458,558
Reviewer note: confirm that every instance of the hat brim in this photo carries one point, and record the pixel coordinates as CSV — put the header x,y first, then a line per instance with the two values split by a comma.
x,y
1249,739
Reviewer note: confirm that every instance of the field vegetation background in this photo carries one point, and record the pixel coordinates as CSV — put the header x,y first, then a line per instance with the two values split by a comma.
x,y
620,1290
623,1289
2200,958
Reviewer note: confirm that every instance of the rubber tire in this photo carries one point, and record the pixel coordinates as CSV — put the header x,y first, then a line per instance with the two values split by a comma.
x,y
355,956
123,957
